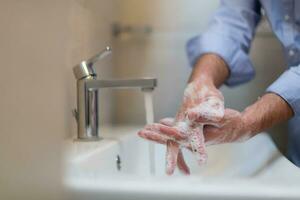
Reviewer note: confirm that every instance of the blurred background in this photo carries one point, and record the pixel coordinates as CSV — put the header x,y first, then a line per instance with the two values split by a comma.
x,y
40,42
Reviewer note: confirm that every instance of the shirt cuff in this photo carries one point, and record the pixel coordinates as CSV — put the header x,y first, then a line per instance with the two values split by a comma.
x,y
237,60
288,87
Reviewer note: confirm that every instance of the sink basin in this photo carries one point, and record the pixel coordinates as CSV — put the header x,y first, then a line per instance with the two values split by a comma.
x,y
118,167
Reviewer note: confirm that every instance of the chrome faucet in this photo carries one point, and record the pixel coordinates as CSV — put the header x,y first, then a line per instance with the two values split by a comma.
x,y
87,112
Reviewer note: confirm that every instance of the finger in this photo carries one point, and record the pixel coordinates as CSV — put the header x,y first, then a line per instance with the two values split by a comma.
x,y
171,156
228,113
220,135
186,145
153,136
205,114
182,166
210,110
214,135
166,130
167,121
161,139
198,145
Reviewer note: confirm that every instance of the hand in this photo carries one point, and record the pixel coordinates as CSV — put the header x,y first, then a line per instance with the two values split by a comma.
x,y
267,111
202,104
232,128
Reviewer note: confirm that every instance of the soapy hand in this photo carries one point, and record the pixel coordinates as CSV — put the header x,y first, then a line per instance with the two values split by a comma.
x,y
232,128
202,104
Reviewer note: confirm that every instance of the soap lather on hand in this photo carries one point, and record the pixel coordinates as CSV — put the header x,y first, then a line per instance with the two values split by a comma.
x,y
202,105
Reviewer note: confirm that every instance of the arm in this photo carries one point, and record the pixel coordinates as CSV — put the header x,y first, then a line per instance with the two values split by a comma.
x,y
269,110
283,98
228,37
220,53
210,69
266,112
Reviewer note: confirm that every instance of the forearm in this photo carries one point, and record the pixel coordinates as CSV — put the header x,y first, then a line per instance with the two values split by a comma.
x,y
266,112
211,69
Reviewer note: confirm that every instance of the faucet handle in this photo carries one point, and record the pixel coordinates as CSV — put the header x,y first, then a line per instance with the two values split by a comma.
x,y
107,51
85,68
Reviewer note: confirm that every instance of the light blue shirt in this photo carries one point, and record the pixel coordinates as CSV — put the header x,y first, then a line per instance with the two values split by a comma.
x,y
229,35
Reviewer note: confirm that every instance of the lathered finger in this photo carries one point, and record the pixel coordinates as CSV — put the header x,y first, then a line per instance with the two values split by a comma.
x,y
161,139
166,130
167,121
182,166
198,145
153,136
207,112
171,156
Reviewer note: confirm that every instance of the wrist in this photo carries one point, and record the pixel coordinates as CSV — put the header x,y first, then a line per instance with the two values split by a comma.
x,y
210,68
267,111
203,80
248,122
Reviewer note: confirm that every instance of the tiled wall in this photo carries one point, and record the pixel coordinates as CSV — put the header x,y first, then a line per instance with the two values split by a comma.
x,y
40,43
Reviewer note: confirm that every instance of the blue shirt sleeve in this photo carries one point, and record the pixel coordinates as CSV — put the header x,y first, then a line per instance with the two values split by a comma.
x,y
229,35
288,87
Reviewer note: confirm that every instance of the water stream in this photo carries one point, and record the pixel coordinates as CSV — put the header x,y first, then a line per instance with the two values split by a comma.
x,y
149,120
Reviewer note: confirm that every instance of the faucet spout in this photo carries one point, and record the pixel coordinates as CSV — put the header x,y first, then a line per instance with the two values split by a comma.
x,y
142,83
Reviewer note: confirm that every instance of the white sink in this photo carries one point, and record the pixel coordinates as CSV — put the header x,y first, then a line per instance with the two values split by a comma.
x,y
251,170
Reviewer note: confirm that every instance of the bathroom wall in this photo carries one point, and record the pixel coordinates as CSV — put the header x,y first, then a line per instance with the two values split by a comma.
x,y
40,43
162,54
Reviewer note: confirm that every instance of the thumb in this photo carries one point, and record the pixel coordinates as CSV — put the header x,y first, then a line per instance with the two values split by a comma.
x,y
208,112
167,121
